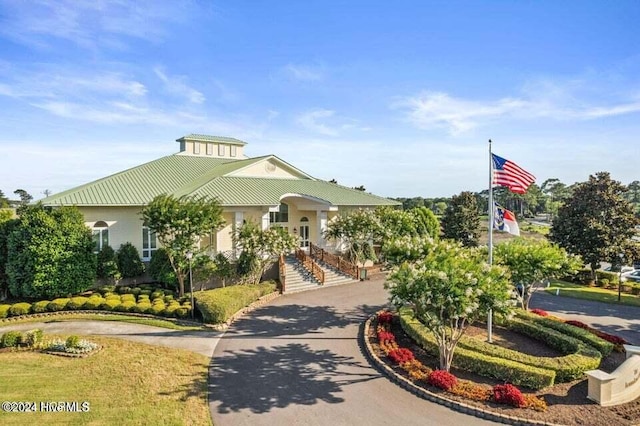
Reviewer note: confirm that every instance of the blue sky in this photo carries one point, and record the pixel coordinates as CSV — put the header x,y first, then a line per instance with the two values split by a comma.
x,y
400,97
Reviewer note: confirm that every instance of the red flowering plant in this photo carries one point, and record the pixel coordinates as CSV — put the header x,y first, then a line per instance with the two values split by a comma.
x,y
616,340
442,379
540,312
384,317
385,336
508,394
401,355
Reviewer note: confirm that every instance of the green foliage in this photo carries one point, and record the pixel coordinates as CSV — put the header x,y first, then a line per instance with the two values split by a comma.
x,y
107,264
72,341
530,262
127,298
596,221
33,338
110,304
203,269
484,364
94,303
21,308
50,253
426,222
179,224
58,304
141,307
10,339
40,306
224,269
6,228
161,270
218,305
399,250
357,230
448,289
260,248
4,311
129,263
461,220
77,302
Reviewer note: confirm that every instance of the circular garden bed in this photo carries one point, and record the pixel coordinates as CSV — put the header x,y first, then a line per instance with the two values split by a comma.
x,y
563,403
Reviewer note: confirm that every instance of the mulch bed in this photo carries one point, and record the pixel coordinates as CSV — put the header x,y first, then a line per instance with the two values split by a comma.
x,y
567,402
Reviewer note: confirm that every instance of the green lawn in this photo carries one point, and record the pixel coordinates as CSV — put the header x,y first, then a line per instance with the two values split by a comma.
x,y
156,322
591,293
126,383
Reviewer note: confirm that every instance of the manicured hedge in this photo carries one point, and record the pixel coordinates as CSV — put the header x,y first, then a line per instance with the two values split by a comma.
x,y
467,359
218,305
21,308
58,304
4,311
585,336
39,307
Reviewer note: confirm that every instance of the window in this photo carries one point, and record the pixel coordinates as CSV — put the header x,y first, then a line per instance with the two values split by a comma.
x,y
234,150
149,244
196,147
221,150
209,149
100,233
281,216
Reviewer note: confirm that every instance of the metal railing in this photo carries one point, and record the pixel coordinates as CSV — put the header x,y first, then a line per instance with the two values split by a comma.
x,y
310,265
337,262
282,272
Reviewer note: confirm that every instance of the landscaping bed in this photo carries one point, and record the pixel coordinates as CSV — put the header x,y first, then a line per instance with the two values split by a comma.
x,y
566,403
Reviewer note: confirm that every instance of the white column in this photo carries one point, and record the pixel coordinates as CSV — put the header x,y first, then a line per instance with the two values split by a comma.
x,y
238,220
265,220
321,227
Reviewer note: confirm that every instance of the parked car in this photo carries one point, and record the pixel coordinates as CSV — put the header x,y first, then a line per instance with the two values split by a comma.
x,y
632,276
625,269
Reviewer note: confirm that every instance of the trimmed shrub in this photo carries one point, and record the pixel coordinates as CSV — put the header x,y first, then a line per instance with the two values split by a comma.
x,y
38,307
143,298
58,304
10,339
114,297
22,308
33,338
136,291
107,264
442,379
161,270
157,295
509,395
168,298
125,306
72,341
77,302
123,290
170,310
128,298
141,307
110,304
540,312
4,311
129,262
471,360
146,292
156,309
183,312
218,305
105,290
94,303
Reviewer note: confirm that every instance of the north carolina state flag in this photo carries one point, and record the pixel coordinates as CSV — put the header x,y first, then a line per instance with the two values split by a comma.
x,y
504,220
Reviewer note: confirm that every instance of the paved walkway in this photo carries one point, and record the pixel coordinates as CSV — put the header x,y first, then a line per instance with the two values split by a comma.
x,y
621,320
202,342
297,361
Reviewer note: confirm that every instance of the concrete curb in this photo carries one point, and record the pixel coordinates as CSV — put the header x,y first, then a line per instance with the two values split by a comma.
x,y
437,398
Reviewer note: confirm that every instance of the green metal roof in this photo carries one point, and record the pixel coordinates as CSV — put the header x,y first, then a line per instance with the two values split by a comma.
x,y
207,176
208,138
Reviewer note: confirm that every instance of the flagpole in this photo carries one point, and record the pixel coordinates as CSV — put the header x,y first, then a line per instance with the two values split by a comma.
x,y
490,210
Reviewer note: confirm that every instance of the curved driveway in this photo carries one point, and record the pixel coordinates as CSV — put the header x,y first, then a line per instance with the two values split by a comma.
x,y
297,361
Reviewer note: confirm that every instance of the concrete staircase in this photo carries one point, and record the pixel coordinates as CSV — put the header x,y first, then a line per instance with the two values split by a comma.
x,y
299,279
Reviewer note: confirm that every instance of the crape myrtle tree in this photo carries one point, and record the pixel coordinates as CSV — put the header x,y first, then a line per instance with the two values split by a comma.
x,y
179,224
260,248
357,230
461,219
596,221
448,287
531,262
50,253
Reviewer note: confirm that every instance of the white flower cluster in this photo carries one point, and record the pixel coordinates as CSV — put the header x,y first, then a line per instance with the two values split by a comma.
x,y
83,347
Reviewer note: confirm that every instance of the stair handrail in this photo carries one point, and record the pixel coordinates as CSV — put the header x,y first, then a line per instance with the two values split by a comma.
x,y
282,272
310,265
337,262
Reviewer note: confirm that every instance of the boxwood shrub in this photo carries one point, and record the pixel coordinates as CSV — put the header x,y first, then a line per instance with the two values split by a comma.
x,y
110,304
128,298
141,307
58,304
157,309
124,306
182,312
77,302
94,303
156,294
21,308
40,306
33,338
114,297
4,311
10,339
218,305
143,298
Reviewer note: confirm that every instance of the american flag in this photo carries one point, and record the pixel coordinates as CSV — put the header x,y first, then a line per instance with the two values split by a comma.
x,y
509,174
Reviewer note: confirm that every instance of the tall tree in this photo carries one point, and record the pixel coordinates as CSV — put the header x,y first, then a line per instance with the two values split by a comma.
x,y
180,224
448,287
4,201
357,231
461,219
596,221
531,261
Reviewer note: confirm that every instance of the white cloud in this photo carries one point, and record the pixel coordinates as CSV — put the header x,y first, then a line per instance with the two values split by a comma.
x,y
176,85
90,23
544,99
303,72
311,121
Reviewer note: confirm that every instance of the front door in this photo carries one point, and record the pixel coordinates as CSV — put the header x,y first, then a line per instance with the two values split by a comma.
x,y
304,232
